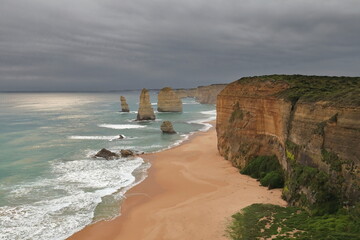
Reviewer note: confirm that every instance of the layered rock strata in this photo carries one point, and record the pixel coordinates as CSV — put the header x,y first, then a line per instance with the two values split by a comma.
x,y
145,112
185,92
169,101
208,94
312,125
124,105
202,94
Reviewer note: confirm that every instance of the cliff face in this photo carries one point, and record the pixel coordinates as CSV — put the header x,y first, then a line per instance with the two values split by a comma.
x,y
145,112
202,94
208,94
184,93
316,137
124,105
169,101
247,112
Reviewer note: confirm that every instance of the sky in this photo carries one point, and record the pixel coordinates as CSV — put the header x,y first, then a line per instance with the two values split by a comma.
x,y
100,45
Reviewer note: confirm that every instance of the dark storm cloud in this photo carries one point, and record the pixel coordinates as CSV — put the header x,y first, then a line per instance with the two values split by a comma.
x,y
111,44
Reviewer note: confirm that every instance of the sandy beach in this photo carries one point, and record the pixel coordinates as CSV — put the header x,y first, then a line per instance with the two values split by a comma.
x,y
190,193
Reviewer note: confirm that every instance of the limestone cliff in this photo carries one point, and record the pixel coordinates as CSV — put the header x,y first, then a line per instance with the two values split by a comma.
x,y
208,94
185,92
124,105
169,101
145,112
202,94
312,124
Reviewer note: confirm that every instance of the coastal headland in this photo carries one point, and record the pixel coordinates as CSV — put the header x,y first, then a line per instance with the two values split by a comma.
x,y
190,193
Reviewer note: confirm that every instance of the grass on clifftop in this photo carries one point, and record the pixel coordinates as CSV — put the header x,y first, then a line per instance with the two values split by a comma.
x,y
337,90
263,221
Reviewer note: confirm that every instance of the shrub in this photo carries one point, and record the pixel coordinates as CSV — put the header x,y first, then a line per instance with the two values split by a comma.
x,y
273,179
332,159
270,221
266,169
336,90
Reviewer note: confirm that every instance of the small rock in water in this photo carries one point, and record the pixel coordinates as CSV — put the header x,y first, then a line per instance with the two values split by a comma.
x,y
167,127
108,155
126,153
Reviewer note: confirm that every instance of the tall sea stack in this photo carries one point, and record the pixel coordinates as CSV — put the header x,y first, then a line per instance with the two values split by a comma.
x,y
124,105
146,112
169,101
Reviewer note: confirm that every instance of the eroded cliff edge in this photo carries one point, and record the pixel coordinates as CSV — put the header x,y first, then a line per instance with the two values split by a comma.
x,y
312,125
202,94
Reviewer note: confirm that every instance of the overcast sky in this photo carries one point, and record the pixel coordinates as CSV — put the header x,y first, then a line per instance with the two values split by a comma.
x,y
131,44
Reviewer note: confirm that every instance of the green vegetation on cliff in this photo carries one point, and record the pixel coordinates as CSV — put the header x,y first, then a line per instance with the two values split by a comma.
x,y
266,169
337,90
332,159
266,221
320,168
302,179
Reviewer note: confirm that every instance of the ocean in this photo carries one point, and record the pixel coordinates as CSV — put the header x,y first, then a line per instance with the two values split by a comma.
x,y
50,186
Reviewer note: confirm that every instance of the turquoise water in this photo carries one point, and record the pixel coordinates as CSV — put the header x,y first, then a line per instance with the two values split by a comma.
x,y
50,186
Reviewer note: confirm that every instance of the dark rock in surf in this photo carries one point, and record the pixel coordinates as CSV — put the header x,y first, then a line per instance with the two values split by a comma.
x,y
108,155
126,153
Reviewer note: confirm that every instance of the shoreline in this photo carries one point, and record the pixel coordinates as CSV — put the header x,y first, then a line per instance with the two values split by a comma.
x,y
190,193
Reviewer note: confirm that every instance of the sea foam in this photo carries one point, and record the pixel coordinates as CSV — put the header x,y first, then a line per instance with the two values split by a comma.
x,y
121,126
66,203
204,122
109,138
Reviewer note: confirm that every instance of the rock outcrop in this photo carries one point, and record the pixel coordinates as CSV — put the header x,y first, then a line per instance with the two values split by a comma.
x,y
167,127
169,101
312,125
124,105
107,154
126,153
202,94
145,112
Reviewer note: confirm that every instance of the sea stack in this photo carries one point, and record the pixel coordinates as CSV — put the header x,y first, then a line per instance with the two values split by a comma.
x,y
167,127
146,112
169,101
124,105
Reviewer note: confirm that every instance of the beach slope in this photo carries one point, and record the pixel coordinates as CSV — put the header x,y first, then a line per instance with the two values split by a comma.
x,y
190,193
